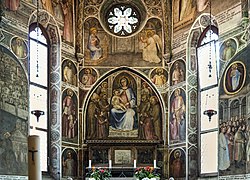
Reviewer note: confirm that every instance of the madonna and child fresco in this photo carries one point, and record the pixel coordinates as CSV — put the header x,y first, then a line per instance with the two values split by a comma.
x,y
123,116
126,110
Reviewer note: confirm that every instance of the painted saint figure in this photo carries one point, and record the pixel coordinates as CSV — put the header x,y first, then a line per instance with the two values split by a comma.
x,y
68,74
12,5
47,5
224,160
177,123
155,113
68,109
93,111
146,130
239,147
124,119
177,75
19,48
177,166
68,19
228,51
69,165
152,46
88,78
159,78
235,75
94,45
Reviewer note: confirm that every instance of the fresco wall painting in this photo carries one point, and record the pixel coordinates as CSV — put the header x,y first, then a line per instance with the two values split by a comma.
x,y
234,121
13,114
124,109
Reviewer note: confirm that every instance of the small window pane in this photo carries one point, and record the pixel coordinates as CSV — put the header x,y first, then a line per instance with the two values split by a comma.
x,y
38,64
209,100
210,36
37,34
207,65
209,156
38,101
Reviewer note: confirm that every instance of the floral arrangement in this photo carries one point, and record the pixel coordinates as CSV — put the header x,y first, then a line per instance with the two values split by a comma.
x,y
99,174
146,173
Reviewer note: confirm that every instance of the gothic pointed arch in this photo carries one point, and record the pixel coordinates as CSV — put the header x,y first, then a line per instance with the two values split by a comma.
x,y
203,22
105,86
49,25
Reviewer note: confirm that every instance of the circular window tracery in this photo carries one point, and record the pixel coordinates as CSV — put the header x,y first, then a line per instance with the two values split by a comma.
x,y
123,20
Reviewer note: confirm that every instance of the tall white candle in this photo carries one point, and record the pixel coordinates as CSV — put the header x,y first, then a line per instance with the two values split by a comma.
x,y
34,169
110,164
135,163
154,163
89,163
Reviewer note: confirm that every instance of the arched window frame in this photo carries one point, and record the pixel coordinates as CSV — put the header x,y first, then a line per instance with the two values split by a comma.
x,y
207,93
54,135
42,126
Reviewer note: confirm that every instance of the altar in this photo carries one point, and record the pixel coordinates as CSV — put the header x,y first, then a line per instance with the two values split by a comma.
x,y
122,172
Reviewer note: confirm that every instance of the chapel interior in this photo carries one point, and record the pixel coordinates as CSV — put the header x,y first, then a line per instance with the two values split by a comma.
x,y
122,84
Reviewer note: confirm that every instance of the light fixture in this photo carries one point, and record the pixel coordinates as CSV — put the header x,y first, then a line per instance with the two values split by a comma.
x,y
210,113
210,67
37,36
37,113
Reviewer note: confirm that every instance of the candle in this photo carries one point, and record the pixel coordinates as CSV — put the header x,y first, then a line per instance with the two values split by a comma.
x,y
34,170
89,163
110,164
135,163
154,163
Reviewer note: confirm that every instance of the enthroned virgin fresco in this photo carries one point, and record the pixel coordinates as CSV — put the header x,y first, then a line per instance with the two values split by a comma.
x,y
124,105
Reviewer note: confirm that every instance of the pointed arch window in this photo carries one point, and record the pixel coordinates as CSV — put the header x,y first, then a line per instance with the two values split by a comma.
x,y
208,99
38,78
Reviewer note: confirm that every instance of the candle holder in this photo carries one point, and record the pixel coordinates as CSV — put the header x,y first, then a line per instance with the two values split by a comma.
x,y
210,113
37,113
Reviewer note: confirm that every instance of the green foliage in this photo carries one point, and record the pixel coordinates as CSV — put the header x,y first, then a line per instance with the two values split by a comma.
x,y
99,174
146,172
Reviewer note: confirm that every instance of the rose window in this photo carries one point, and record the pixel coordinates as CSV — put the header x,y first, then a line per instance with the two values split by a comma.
x,y
123,20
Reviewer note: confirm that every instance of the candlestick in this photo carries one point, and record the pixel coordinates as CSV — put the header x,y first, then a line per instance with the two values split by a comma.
x,y
135,163
89,163
110,164
154,163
